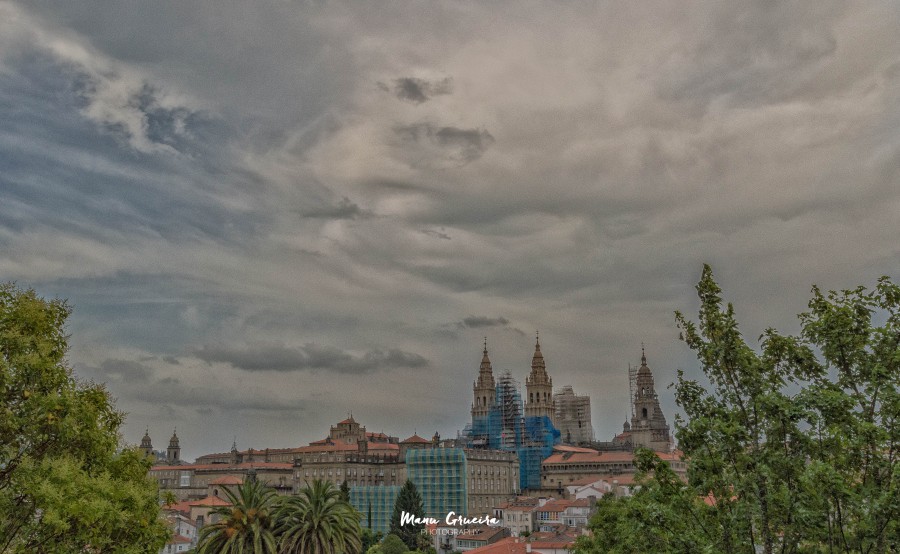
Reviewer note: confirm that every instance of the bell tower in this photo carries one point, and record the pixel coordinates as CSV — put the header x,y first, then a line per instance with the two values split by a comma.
x,y
648,426
539,387
147,444
173,453
484,388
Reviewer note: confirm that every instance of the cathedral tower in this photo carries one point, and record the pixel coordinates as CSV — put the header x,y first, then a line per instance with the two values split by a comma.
x,y
648,426
484,388
539,387
173,453
147,444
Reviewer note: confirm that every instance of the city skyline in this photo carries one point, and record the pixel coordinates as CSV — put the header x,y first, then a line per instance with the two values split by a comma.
x,y
268,216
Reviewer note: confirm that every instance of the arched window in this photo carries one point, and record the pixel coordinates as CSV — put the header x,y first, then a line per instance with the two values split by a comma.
x,y
644,413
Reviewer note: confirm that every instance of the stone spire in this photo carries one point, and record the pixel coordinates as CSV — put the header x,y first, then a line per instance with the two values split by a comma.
x,y
649,427
539,386
484,388
485,372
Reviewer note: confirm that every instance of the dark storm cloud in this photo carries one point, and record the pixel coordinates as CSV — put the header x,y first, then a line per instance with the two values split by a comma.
x,y
344,209
419,90
436,234
172,391
474,322
463,145
118,370
311,356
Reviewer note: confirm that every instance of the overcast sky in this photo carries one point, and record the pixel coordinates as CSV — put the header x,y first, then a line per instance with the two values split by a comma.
x,y
267,215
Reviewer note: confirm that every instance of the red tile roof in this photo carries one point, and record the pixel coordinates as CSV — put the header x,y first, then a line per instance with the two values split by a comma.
x,y
416,439
603,457
509,545
226,467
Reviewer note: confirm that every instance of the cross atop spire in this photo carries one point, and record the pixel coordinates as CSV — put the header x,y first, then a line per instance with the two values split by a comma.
x,y
643,354
537,340
485,346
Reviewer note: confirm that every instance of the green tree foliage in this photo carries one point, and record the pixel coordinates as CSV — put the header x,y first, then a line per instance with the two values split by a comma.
x,y
792,448
345,491
247,526
370,538
410,501
65,485
319,521
393,544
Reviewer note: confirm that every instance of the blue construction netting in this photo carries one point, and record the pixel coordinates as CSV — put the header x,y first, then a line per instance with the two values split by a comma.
x,y
440,476
377,500
540,436
505,428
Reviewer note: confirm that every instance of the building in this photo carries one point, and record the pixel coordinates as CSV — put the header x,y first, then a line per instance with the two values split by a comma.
x,y
184,532
517,515
569,465
573,416
196,481
648,427
376,504
539,387
450,538
499,420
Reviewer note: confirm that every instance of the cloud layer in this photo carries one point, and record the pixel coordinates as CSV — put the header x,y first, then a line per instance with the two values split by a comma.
x,y
278,213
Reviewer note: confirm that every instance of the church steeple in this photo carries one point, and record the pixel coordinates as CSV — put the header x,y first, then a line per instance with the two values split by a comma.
x,y
484,388
539,386
147,444
649,427
173,453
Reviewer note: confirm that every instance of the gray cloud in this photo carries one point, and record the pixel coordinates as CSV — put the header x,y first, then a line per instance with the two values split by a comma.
x,y
436,234
344,209
463,145
278,357
474,322
184,185
126,370
419,90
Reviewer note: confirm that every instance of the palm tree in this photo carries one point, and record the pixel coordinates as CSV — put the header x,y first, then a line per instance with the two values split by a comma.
x,y
247,526
319,521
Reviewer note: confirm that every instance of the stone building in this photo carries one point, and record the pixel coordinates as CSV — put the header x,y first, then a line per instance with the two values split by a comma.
x,y
569,465
648,427
539,388
573,416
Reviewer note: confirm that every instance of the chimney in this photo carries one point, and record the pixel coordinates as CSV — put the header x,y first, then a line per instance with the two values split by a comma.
x,y
528,547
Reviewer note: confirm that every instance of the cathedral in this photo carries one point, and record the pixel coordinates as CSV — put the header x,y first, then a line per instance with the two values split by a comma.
x,y
648,427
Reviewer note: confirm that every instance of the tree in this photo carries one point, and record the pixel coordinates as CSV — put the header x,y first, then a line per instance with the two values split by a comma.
x,y
409,501
247,525
791,449
393,544
66,485
319,521
345,491
370,538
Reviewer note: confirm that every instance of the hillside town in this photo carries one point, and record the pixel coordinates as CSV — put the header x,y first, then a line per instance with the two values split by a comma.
x,y
528,461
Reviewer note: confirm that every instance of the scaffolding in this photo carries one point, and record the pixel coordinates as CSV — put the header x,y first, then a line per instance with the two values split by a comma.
x,y
506,428
376,501
540,436
440,476
632,388
573,416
